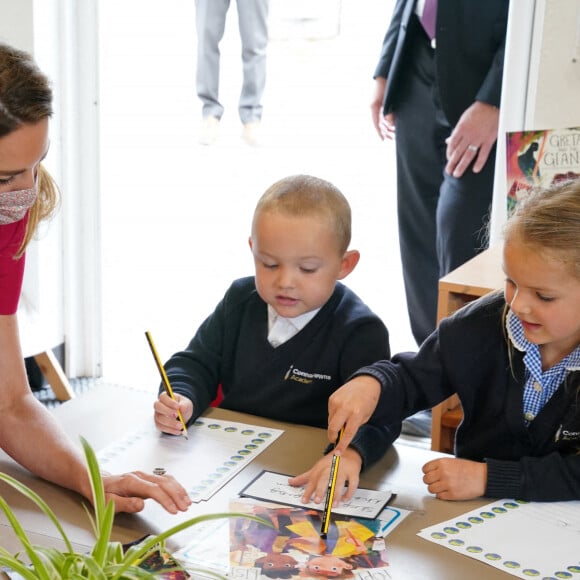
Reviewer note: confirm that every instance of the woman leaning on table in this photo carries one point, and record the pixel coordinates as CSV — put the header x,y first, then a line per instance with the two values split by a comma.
x,y
28,432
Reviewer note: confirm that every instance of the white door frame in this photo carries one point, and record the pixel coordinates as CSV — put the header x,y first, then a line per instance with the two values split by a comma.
x,y
66,48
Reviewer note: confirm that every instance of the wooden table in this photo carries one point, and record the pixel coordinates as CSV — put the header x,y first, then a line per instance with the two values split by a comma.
x,y
107,413
475,278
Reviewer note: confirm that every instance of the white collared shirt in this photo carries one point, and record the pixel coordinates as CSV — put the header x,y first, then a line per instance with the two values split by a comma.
x,y
281,329
419,7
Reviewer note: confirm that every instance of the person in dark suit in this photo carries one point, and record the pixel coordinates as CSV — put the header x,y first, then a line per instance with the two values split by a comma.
x,y
438,85
441,95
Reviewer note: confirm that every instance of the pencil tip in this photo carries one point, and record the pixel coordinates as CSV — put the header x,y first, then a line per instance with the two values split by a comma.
x,y
323,536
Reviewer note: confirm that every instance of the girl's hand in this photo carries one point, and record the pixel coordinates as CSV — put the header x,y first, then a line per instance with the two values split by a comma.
x,y
316,479
455,479
166,418
350,407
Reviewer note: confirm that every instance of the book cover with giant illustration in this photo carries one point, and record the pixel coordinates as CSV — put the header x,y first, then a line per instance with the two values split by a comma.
x,y
540,158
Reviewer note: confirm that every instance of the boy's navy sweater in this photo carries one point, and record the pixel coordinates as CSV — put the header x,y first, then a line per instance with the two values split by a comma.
x,y
470,354
293,381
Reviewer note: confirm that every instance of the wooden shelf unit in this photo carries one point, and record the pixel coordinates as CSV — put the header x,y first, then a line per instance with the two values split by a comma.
x,y
477,277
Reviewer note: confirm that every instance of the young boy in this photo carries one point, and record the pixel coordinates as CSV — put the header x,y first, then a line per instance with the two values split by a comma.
x,y
281,342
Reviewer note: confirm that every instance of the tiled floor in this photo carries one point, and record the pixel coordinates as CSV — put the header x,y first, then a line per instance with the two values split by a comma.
x,y
176,215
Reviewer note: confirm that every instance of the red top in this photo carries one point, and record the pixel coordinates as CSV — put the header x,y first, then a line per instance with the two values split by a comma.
x,y
11,270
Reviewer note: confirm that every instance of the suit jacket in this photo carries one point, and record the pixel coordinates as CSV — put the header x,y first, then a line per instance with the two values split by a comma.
x,y
470,38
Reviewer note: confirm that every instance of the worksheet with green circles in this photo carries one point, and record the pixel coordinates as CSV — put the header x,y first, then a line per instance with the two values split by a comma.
x,y
525,539
219,450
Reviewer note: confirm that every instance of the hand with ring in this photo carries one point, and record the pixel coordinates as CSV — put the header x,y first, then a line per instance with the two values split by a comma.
x,y
472,139
129,491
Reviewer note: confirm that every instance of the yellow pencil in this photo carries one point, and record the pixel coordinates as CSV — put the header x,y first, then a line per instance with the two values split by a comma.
x,y
164,379
330,493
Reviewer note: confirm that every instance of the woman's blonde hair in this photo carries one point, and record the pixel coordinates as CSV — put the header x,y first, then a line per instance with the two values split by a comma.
x,y
26,97
305,195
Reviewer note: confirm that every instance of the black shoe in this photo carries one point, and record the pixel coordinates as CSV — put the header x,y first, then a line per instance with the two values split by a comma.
x,y
418,425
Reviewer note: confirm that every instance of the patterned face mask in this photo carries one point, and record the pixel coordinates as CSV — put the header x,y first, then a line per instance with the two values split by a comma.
x,y
15,204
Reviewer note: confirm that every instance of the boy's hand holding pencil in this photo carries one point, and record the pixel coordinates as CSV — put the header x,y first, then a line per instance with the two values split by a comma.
x,y
167,386
166,413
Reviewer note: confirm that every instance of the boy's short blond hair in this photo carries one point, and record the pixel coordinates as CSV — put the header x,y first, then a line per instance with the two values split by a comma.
x,y
305,195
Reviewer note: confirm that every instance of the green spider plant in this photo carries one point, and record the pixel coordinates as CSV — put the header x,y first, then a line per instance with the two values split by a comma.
x,y
106,560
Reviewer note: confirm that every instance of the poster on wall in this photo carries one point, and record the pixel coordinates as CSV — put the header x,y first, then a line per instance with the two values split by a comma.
x,y
540,158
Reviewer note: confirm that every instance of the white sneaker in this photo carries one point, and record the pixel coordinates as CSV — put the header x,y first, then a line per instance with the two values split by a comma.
x,y
250,133
208,132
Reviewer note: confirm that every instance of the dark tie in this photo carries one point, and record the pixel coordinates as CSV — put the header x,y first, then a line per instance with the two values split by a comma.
x,y
429,17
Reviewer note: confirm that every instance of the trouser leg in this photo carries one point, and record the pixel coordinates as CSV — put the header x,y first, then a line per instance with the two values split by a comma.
x,y
253,26
443,221
463,216
210,24
420,135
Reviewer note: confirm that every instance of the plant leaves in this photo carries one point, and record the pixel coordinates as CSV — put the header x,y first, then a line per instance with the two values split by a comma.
x,y
35,498
15,564
96,483
106,560
100,548
25,541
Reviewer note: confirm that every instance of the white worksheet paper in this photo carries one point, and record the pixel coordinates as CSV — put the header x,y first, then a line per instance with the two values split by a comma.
x,y
215,451
527,540
274,487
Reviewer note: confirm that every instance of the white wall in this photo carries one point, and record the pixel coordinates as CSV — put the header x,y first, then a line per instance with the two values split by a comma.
x,y
16,23
42,323
541,87
62,281
555,98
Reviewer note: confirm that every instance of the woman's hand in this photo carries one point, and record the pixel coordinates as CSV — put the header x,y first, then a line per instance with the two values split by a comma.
x,y
456,479
316,479
166,418
129,491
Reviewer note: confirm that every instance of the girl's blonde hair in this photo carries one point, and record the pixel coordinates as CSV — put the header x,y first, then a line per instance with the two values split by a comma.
x,y
305,195
549,218
26,97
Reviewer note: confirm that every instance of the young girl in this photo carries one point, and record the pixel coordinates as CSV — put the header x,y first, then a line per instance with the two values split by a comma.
x,y
514,361
28,432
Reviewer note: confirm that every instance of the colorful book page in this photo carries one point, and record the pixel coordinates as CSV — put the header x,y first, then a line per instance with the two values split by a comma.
x,y
289,545
208,542
540,158
527,540
218,449
159,563
271,486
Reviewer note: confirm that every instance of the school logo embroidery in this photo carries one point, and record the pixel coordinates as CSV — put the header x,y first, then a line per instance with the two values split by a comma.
x,y
304,377
566,435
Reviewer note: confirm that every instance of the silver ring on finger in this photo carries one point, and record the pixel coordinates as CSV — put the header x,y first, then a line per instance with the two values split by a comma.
x,y
473,148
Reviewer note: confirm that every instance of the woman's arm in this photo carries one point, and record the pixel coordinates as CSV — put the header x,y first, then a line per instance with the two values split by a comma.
x,y
33,438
